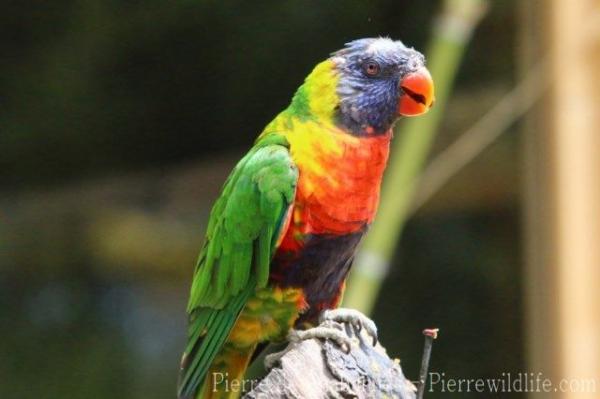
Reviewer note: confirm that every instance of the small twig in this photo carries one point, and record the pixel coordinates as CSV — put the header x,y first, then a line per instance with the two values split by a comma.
x,y
430,334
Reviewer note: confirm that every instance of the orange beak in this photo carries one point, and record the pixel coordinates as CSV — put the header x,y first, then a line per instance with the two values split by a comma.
x,y
418,95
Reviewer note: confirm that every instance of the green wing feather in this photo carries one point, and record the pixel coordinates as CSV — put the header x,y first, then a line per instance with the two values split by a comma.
x,y
240,241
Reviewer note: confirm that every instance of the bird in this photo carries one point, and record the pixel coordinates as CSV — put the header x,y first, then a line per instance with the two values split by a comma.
x,y
282,236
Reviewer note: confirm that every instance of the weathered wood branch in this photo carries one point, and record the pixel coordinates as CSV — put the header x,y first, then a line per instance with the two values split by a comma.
x,y
321,368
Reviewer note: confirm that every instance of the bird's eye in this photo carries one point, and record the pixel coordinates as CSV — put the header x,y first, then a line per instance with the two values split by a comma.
x,y
372,68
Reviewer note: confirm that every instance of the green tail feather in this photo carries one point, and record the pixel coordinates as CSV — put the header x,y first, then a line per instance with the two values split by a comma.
x,y
209,330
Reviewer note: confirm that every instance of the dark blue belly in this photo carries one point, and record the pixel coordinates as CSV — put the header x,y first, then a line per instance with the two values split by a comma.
x,y
320,269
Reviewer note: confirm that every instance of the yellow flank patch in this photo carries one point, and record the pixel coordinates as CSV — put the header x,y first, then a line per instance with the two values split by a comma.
x,y
268,315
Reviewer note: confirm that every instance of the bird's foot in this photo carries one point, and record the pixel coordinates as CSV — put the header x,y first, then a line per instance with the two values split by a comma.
x,y
331,328
356,319
325,331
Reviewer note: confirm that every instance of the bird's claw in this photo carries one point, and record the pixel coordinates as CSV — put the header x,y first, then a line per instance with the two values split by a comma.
x,y
326,332
330,328
353,317
272,359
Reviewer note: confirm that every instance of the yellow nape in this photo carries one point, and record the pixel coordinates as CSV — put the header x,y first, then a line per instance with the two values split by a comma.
x,y
321,90
316,100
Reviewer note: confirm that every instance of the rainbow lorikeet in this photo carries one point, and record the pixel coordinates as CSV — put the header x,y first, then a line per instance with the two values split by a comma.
x,y
282,235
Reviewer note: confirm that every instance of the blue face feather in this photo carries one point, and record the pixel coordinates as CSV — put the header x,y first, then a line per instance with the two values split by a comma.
x,y
370,71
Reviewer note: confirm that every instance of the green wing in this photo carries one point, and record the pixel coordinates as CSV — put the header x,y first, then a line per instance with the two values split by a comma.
x,y
242,232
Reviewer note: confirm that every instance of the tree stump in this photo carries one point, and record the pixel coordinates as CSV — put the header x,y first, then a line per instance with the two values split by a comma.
x,y
321,368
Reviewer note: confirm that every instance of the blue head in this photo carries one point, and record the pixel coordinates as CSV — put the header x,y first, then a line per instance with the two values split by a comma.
x,y
379,81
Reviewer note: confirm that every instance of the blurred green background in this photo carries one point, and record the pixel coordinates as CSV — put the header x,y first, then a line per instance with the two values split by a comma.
x,y
119,121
